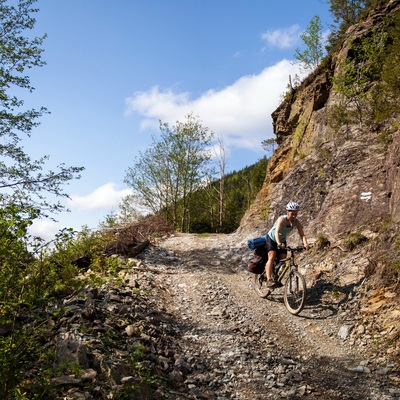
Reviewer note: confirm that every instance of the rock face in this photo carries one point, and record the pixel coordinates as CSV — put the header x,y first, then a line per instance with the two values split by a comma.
x,y
346,183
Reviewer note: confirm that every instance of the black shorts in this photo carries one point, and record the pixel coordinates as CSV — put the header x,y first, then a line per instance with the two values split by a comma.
x,y
271,245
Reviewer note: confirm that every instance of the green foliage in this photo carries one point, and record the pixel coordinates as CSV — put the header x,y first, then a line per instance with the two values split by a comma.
x,y
31,276
69,368
345,13
241,188
322,242
385,94
312,55
291,88
127,213
368,83
165,176
15,259
28,279
360,82
23,178
269,144
353,240
142,361
70,246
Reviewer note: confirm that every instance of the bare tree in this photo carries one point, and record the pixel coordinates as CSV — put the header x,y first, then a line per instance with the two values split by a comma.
x,y
220,155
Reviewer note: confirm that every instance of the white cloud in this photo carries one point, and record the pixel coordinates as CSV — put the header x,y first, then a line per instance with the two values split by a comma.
x,y
86,210
282,38
44,228
105,197
241,112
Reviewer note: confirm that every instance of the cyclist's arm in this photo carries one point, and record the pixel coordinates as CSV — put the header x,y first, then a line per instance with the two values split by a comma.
x,y
277,230
302,235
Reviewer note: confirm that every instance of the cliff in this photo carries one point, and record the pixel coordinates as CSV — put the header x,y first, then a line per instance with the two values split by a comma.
x,y
346,180
327,172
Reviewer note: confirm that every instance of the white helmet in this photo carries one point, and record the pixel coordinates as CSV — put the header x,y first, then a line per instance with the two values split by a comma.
x,y
292,206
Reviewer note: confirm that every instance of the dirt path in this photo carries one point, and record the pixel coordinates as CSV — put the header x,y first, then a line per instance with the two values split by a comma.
x,y
240,346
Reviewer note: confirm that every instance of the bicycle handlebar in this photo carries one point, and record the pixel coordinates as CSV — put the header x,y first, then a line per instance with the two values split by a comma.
x,y
296,249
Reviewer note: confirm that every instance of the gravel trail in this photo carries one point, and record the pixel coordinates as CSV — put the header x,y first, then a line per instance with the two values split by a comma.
x,y
240,346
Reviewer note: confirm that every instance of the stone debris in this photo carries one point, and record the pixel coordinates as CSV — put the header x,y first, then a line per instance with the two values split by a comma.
x,y
189,316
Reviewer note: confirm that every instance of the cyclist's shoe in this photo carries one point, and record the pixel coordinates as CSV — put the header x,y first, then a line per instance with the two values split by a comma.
x,y
271,283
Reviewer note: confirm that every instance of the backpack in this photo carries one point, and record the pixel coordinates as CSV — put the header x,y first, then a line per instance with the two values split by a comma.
x,y
256,264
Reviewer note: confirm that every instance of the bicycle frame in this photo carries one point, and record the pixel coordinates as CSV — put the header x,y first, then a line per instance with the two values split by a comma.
x,y
288,263
294,285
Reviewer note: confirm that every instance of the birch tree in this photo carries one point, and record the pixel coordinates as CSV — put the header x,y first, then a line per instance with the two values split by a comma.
x,y
165,176
312,54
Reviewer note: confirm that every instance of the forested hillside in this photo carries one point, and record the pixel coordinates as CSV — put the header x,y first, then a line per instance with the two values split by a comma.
x,y
240,190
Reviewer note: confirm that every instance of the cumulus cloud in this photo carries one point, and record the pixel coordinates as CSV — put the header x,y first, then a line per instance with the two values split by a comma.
x,y
44,228
240,112
282,38
105,197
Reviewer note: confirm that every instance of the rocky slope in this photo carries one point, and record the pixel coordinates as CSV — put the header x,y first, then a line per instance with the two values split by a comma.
x,y
185,323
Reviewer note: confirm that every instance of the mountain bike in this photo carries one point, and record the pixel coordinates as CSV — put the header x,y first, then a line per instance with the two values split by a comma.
x,y
294,286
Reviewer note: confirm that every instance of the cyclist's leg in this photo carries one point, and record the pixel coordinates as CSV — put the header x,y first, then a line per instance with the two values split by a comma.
x,y
269,270
272,249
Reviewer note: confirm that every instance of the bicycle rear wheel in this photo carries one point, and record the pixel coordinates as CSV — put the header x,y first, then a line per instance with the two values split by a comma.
x,y
294,292
260,285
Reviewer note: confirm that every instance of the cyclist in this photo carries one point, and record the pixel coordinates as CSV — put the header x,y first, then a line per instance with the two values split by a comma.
x,y
276,238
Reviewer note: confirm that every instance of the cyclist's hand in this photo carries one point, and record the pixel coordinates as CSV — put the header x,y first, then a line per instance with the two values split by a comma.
x,y
307,247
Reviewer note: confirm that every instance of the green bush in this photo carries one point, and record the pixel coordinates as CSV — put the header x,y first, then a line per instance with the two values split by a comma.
x,y
33,275
353,240
322,242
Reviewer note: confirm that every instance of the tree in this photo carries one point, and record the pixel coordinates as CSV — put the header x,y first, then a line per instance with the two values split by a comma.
x,y
165,176
220,156
269,144
357,74
311,56
22,180
345,13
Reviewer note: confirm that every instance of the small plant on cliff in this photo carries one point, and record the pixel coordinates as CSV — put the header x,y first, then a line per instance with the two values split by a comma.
x,y
322,242
354,239
311,56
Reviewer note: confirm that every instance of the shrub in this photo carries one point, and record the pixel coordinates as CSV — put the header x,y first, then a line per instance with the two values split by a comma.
x,y
322,242
352,240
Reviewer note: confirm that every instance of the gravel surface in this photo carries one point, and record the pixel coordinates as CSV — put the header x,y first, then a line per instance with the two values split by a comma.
x,y
237,345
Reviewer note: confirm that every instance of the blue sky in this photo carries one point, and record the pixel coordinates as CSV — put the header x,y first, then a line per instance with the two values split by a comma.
x,y
114,69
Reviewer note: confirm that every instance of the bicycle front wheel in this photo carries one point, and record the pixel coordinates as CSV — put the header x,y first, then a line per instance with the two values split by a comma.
x,y
260,285
294,292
